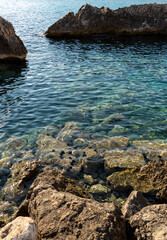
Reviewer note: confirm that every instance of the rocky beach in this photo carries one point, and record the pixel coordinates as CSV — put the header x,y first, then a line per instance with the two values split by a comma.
x,y
64,181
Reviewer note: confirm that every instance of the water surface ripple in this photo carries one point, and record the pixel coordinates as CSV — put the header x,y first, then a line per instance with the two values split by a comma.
x,y
108,86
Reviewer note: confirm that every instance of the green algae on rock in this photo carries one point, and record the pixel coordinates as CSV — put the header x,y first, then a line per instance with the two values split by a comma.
x,y
123,159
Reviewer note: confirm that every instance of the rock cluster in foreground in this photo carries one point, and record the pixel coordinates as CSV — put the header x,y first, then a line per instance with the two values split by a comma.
x,y
11,46
134,20
54,209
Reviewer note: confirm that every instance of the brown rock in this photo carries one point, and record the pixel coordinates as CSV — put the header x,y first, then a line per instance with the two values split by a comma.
x,y
62,215
150,223
134,204
120,159
136,19
22,228
11,47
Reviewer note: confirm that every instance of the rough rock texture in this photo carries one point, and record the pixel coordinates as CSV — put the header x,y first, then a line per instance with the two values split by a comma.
x,y
22,175
134,204
120,159
150,223
136,19
22,228
150,178
11,47
62,215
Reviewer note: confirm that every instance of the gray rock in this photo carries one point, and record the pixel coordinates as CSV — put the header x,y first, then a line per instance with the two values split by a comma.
x,y
150,223
136,19
134,204
11,46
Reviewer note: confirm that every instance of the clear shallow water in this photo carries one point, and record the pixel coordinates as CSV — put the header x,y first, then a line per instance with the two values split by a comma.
x,y
83,81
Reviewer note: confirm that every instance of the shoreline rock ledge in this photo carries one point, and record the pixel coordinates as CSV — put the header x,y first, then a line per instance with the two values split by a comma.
x,y
11,46
146,19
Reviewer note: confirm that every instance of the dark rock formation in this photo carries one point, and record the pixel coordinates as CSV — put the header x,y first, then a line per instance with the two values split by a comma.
x,y
11,47
150,223
62,215
134,20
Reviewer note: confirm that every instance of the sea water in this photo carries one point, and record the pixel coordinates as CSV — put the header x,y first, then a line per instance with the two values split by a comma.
x,y
109,86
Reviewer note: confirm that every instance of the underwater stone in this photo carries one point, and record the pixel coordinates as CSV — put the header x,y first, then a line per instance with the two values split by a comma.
x,y
98,189
152,150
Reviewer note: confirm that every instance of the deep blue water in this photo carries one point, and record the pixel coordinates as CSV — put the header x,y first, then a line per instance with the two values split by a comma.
x,y
83,81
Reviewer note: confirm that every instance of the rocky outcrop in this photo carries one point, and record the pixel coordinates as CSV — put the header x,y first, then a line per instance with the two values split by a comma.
x,y
135,20
11,46
62,215
150,223
22,228
134,204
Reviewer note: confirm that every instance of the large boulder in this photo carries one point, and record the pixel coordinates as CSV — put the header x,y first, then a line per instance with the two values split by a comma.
x,y
11,46
150,223
63,215
136,19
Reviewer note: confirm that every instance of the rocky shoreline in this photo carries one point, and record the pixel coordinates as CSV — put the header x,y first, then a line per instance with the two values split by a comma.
x,y
146,19
69,165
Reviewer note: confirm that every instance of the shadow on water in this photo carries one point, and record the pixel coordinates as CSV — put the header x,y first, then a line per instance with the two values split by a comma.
x,y
116,41
11,75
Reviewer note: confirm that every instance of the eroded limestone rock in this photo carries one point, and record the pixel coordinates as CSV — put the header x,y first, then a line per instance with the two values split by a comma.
x,y
135,20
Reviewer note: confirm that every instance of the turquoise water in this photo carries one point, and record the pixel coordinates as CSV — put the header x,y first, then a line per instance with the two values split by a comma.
x,y
108,86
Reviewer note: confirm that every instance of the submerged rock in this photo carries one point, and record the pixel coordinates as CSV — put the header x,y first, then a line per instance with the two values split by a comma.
x,y
22,175
135,20
11,46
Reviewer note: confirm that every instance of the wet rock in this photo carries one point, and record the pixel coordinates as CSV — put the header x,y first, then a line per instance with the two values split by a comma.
x,y
152,150
99,189
21,228
123,180
117,129
92,161
58,155
7,210
120,159
134,20
4,172
149,179
60,214
109,143
70,133
12,145
22,175
113,118
150,223
134,204
11,46
88,179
